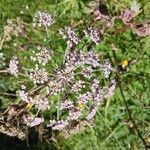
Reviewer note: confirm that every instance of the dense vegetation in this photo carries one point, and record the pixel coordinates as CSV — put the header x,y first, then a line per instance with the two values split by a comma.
x,y
122,121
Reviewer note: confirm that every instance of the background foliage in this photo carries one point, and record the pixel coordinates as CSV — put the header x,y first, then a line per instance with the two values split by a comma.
x,y
113,129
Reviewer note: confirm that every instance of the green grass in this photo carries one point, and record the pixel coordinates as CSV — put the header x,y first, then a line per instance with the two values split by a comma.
x,y
114,127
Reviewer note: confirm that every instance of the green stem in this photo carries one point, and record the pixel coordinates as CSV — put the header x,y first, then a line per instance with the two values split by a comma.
x,y
2,42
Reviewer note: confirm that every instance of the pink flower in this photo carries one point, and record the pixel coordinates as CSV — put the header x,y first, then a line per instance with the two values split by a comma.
x,y
43,18
36,121
13,66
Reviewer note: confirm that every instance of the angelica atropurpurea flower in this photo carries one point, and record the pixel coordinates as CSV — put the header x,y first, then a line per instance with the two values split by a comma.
x,y
13,66
35,121
93,34
38,75
43,19
69,34
43,56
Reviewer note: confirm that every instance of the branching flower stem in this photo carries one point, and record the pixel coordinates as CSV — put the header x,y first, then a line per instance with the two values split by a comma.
x,y
48,36
3,71
127,107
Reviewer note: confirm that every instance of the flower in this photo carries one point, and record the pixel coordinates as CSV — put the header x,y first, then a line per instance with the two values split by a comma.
x,y
106,68
135,6
54,87
78,86
127,16
67,104
13,28
93,34
23,95
39,76
110,89
142,30
43,56
92,58
42,104
84,98
13,66
74,115
36,121
95,85
87,72
69,34
58,125
92,113
43,18
66,75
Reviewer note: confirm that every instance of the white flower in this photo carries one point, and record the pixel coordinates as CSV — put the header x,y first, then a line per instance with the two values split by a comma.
x,y
110,90
84,98
23,95
54,87
42,104
67,104
69,34
58,125
36,121
91,58
106,68
44,56
135,6
95,85
74,115
43,18
93,34
78,86
39,76
66,75
91,114
87,72
13,66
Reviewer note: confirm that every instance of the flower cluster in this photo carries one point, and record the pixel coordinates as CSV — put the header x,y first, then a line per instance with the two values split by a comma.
x,y
43,19
39,76
69,34
83,104
34,121
43,56
106,69
13,66
93,34
54,87
135,7
24,96
67,104
78,86
127,16
57,125
41,104
87,72
70,93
